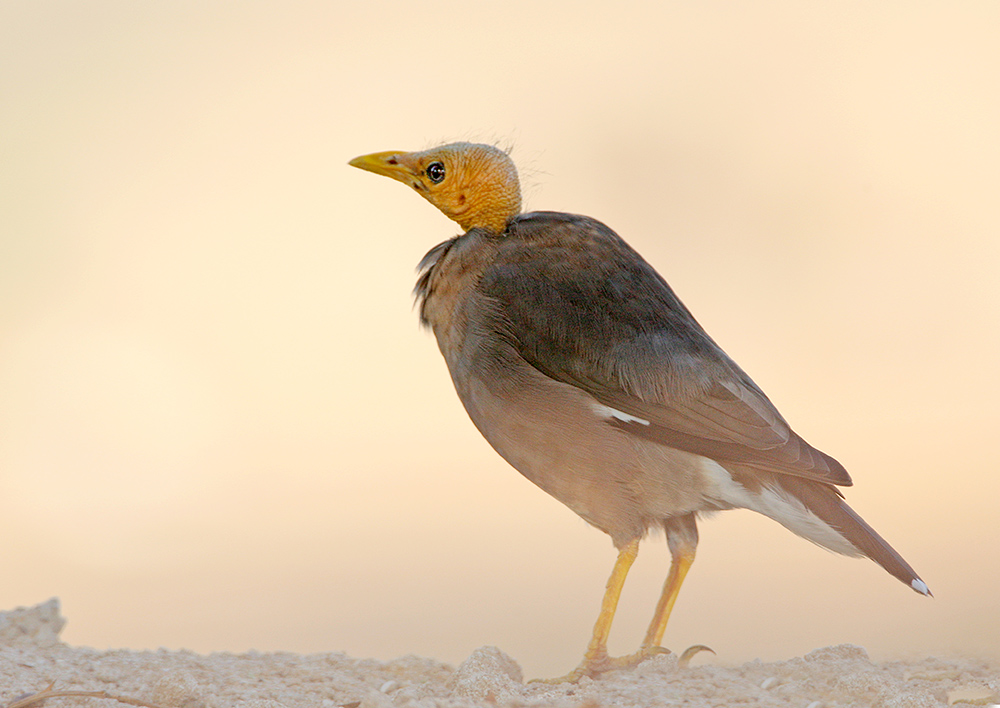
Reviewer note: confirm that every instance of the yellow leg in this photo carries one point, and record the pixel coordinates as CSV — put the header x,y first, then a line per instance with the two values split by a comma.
x,y
598,647
679,566
596,660
682,537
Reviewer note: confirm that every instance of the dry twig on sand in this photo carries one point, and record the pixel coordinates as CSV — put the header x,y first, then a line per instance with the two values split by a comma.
x,y
36,699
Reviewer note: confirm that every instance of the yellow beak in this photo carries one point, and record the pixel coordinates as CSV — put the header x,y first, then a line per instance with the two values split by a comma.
x,y
389,164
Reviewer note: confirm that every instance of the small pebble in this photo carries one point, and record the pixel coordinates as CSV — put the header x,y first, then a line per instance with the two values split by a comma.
x,y
389,686
768,682
973,695
815,704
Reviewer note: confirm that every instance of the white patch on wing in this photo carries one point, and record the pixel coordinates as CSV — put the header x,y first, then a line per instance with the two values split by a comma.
x,y
773,503
609,412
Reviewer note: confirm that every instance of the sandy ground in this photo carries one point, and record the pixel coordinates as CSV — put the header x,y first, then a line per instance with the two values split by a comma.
x,y
32,657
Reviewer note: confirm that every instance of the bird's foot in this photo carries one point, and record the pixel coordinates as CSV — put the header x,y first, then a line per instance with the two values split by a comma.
x,y
596,663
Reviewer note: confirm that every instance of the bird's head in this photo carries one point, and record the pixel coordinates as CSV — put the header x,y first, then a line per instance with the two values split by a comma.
x,y
475,185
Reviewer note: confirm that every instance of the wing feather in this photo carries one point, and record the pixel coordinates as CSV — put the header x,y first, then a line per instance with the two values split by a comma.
x,y
585,309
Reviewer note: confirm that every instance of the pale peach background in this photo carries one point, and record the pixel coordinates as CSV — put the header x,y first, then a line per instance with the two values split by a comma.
x,y
221,427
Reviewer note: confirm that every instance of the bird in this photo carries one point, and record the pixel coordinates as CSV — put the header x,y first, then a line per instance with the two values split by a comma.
x,y
583,369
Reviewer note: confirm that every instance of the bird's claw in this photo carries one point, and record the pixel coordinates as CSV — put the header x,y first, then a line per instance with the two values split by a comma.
x,y
597,663
690,652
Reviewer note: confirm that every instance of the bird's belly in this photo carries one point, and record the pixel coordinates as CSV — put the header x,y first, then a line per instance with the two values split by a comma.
x,y
557,436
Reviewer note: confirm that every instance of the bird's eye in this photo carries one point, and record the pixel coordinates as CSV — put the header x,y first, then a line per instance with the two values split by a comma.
x,y
435,171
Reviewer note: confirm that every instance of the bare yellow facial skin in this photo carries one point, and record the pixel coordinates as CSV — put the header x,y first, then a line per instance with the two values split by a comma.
x,y
472,184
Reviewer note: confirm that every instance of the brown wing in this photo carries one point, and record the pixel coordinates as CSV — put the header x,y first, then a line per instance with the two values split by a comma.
x,y
585,309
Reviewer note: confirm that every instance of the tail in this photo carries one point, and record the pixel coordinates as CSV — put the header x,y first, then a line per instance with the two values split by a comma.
x,y
826,503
